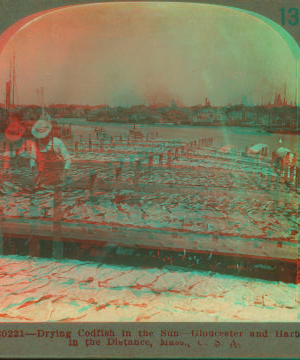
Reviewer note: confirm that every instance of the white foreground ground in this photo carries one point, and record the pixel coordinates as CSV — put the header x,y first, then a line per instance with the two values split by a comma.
x,y
70,290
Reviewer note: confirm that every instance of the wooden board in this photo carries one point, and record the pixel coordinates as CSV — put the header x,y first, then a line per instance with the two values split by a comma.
x,y
167,240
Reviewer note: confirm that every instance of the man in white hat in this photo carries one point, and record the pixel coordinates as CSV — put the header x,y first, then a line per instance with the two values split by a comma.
x,y
54,159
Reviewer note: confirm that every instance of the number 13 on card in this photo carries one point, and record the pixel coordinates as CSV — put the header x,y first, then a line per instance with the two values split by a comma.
x,y
293,16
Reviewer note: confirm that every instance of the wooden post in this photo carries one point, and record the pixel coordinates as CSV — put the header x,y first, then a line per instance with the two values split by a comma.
x,y
121,167
297,178
261,172
90,144
264,175
255,169
277,185
298,275
118,171
57,247
137,168
287,198
2,217
80,142
277,195
111,171
160,158
269,180
34,248
1,236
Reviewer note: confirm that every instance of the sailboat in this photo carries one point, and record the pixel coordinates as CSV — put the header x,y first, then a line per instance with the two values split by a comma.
x,y
10,100
281,129
136,134
278,130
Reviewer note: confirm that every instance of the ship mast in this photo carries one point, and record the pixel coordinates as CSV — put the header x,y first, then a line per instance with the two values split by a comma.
x,y
8,89
13,80
10,86
38,92
10,70
285,94
43,99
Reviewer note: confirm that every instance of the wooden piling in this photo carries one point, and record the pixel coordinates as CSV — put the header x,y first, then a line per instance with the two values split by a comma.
x,y
269,178
2,218
277,184
90,144
1,237
287,198
297,178
34,246
57,249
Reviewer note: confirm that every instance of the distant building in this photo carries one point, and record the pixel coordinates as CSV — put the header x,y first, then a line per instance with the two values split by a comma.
x,y
251,97
244,100
277,100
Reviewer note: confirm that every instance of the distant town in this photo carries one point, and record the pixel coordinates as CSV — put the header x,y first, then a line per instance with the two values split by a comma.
x,y
271,116
277,116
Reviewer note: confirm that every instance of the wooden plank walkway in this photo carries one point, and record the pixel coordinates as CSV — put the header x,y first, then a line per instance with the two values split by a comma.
x,y
225,248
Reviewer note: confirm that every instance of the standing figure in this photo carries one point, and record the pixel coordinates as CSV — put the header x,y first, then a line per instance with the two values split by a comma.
x,y
20,155
176,152
150,164
160,158
53,157
288,166
119,168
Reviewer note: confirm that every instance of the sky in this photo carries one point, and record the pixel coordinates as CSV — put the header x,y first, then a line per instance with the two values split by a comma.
x,y
146,53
